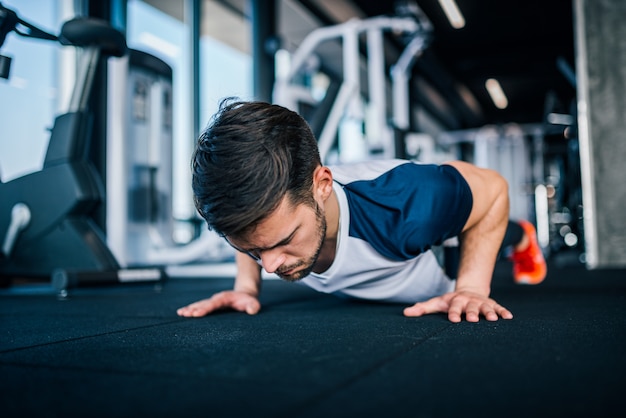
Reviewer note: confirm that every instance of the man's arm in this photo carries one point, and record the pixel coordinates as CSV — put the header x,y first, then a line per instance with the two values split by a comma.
x,y
244,297
480,242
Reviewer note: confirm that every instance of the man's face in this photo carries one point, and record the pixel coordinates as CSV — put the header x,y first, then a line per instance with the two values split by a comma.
x,y
288,242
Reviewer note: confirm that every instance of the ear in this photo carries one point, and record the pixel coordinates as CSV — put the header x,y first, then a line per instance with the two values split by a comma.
x,y
322,183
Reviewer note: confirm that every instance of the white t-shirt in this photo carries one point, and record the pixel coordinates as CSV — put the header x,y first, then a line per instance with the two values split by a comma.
x,y
391,213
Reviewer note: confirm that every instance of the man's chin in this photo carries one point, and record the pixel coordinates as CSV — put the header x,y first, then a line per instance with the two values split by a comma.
x,y
294,276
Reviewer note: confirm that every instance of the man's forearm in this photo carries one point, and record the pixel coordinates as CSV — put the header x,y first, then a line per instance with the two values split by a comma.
x,y
248,278
479,247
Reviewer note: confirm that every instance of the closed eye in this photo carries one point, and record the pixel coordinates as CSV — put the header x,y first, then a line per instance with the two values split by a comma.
x,y
257,251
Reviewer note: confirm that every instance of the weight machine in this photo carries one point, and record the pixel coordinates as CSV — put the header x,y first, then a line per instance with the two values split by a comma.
x,y
342,102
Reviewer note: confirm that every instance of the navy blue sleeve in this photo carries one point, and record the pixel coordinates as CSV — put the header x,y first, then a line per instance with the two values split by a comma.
x,y
406,210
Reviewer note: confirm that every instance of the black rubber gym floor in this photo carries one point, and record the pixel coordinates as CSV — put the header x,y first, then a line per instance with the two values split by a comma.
x,y
121,351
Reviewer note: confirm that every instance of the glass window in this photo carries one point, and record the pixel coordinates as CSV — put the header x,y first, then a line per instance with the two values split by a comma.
x,y
31,97
225,56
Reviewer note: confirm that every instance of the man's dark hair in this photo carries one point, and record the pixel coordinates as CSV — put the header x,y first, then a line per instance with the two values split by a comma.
x,y
250,156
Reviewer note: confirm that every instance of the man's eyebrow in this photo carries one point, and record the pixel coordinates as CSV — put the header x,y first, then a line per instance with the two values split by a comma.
x,y
284,241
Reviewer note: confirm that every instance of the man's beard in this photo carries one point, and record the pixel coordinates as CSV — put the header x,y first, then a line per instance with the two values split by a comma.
x,y
310,262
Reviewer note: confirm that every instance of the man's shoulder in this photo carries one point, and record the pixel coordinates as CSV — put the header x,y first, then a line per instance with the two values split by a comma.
x,y
402,208
366,170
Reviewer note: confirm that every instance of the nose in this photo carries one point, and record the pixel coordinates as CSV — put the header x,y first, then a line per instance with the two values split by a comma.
x,y
271,260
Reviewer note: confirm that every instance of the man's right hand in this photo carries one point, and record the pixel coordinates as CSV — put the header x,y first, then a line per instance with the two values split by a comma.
x,y
230,299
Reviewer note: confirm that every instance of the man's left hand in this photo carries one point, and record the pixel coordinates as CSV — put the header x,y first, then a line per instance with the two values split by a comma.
x,y
457,303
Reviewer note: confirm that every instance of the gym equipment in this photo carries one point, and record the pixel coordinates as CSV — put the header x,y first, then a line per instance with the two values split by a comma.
x,y
10,21
139,156
344,101
45,221
63,280
509,150
561,195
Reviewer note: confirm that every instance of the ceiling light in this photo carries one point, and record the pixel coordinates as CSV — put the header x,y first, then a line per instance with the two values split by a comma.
x,y
452,13
496,93
560,119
